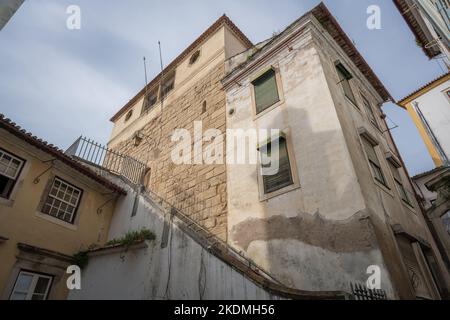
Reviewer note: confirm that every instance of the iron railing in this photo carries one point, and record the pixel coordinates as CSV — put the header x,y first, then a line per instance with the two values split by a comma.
x,y
361,292
98,155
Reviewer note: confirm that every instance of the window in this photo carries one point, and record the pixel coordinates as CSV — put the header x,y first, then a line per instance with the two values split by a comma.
x,y
129,114
370,112
62,201
31,286
399,183
194,57
149,101
266,91
283,177
374,162
10,167
169,84
344,80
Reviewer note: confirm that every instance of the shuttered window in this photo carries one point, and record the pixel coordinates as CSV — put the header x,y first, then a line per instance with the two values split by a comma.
x,y
370,112
283,178
374,162
266,91
399,183
344,78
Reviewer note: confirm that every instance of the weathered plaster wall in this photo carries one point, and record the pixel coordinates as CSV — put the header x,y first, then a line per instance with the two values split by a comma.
x,y
384,204
303,236
182,270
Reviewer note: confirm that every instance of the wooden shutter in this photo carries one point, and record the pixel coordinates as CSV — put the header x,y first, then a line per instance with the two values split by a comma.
x,y
415,273
284,176
266,91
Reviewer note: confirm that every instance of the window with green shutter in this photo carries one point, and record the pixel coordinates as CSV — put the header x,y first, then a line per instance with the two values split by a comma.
x,y
284,177
344,80
266,91
374,162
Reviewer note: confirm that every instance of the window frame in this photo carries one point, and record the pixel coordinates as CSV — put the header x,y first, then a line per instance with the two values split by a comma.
x,y
292,164
146,107
398,181
47,195
345,76
370,112
35,278
279,87
373,144
18,173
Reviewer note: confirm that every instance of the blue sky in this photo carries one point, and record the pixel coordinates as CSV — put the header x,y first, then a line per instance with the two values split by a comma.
x,y
61,83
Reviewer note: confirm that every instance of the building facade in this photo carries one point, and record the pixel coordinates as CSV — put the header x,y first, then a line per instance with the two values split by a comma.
x,y
341,203
429,20
51,208
342,199
429,108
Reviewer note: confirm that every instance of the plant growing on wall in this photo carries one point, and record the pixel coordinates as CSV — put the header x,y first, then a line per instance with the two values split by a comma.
x,y
81,259
133,237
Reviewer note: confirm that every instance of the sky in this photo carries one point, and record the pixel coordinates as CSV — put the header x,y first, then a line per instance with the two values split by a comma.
x,y
60,83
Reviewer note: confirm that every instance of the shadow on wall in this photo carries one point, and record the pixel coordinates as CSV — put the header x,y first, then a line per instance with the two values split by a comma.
x,y
316,237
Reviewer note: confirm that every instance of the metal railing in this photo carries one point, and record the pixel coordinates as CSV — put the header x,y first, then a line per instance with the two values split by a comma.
x,y
105,158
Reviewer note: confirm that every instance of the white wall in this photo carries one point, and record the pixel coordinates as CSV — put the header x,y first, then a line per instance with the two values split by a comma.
x,y
435,107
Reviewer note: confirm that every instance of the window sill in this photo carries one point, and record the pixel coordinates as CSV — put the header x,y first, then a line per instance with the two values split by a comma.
x,y
268,196
352,103
56,221
268,110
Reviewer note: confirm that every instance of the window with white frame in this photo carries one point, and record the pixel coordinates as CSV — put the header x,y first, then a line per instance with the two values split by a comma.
x,y
373,161
10,167
62,200
31,286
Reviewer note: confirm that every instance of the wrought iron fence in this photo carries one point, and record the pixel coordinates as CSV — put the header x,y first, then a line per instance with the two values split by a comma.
x,y
105,158
361,292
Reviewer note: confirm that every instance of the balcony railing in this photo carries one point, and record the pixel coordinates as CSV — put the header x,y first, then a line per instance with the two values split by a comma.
x,y
100,156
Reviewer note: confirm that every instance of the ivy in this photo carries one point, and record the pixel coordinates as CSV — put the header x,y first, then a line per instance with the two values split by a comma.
x,y
133,237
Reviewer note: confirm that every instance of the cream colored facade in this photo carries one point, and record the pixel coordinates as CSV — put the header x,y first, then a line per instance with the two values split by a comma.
x,y
39,243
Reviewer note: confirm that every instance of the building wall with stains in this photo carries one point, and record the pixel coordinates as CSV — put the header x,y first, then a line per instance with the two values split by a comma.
x,y
325,233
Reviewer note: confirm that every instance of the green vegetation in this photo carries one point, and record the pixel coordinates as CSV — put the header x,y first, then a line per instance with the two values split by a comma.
x,y
133,237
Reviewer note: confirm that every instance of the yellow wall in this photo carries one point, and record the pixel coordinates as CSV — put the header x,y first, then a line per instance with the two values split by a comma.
x,y
424,134
21,222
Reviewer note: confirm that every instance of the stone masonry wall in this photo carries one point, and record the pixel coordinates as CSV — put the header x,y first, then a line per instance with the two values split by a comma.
x,y
197,190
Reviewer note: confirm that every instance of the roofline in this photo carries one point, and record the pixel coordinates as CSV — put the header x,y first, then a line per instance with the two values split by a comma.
x,y
223,20
323,15
418,32
28,137
424,89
